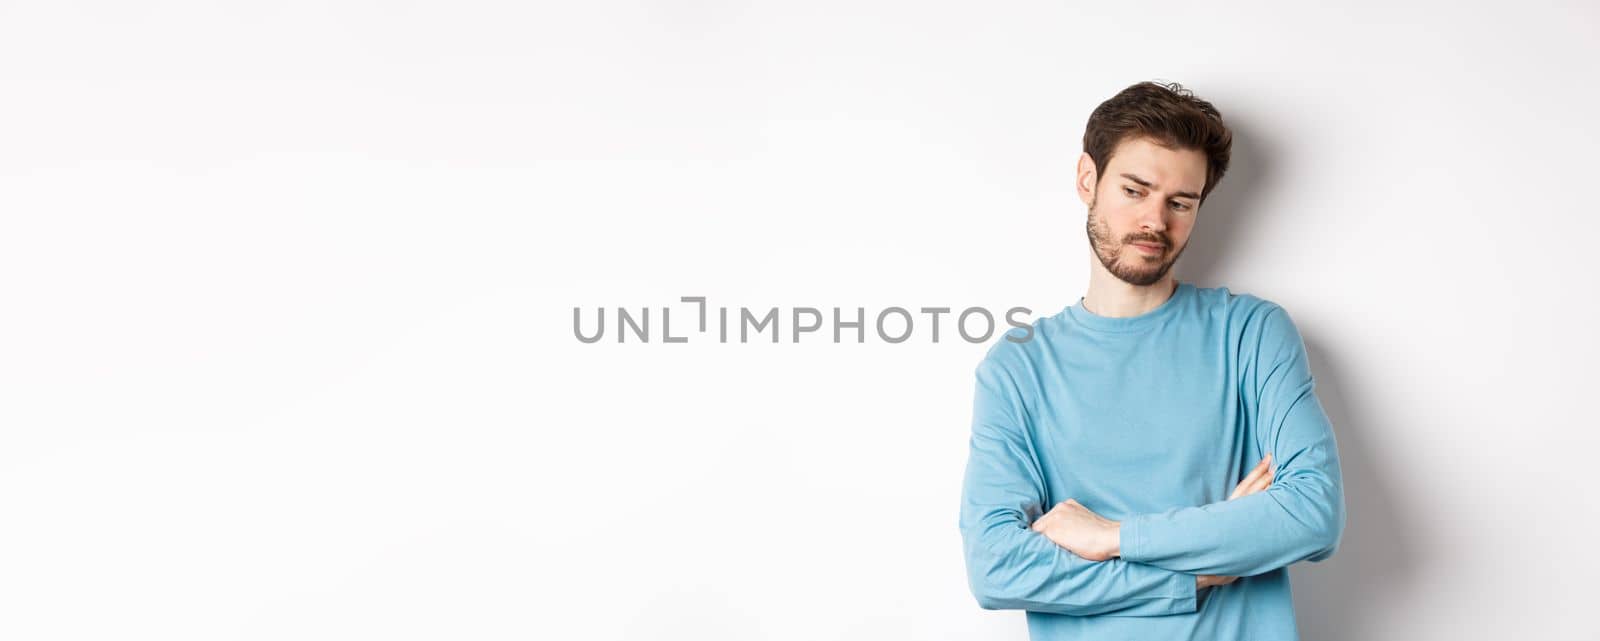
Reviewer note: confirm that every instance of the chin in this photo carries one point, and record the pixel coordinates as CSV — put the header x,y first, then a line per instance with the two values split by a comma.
x,y
1136,257
1148,274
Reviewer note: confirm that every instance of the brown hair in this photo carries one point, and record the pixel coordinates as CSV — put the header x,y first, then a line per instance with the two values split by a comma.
x,y
1166,113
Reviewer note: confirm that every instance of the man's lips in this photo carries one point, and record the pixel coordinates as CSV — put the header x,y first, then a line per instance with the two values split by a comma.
x,y
1150,248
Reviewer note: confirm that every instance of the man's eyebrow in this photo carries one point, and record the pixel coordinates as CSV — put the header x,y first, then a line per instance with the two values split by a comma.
x,y
1145,183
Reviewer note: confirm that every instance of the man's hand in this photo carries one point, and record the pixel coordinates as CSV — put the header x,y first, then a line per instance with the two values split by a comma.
x,y
1079,530
1257,480
1082,532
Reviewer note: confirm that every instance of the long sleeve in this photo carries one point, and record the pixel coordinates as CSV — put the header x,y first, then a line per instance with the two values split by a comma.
x,y
1301,516
1010,566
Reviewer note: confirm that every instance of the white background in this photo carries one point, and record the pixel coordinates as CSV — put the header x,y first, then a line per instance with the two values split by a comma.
x,y
286,295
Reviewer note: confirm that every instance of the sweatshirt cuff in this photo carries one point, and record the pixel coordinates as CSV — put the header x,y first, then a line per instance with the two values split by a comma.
x,y
1130,542
1173,592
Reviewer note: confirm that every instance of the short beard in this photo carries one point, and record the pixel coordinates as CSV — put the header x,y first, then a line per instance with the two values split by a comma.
x,y
1140,273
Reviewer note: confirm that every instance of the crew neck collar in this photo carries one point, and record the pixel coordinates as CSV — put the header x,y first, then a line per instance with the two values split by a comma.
x,y
1147,320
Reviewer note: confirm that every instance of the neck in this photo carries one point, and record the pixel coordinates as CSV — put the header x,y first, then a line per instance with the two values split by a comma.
x,y
1115,298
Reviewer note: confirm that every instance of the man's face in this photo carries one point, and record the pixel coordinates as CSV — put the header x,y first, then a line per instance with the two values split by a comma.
x,y
1142,210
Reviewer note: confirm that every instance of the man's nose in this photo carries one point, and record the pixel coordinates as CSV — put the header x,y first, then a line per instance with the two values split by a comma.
x,y
1153,216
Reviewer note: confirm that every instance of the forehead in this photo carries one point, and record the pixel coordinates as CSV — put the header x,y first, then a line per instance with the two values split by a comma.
x,y
1169,169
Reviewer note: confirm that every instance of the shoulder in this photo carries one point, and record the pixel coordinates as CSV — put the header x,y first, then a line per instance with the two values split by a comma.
x,y
1021,348
1233,303
1261,328
1244,312
1017,359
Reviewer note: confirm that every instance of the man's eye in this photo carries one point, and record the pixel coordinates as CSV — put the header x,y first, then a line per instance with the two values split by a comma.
x,y
1129,191
1180,206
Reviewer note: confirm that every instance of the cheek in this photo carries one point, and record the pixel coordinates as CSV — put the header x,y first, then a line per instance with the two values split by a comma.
x,y
1178,230
1115,218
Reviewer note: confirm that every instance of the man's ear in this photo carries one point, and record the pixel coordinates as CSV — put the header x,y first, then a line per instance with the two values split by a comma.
x,y
1086,178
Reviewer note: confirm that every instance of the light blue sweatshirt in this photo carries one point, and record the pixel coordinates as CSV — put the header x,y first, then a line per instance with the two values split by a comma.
x,y
1151,420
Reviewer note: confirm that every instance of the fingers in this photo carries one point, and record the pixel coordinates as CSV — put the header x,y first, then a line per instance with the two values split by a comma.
x,y
1263,481
1258,479
1209,581
1249,479
1039,523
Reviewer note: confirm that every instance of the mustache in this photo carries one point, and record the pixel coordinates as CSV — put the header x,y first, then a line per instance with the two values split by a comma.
x,y
1153,240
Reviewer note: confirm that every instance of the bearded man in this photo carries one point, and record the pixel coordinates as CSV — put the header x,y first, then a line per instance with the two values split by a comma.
x,y
1153,460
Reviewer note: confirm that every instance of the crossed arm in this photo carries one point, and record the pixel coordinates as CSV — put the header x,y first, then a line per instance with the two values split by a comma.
x,y
1079,530
1071,561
